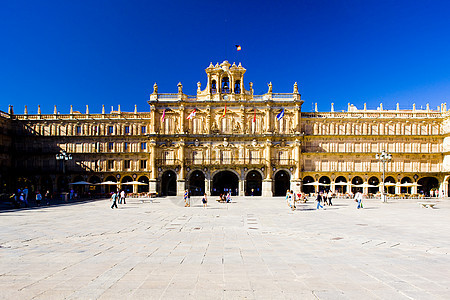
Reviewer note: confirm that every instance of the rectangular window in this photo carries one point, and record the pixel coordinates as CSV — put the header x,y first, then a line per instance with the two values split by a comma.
x,y
110,164
143,164
110,146
143,146
127,129
127,164
110,129
143,129
95,130
78,129
125,146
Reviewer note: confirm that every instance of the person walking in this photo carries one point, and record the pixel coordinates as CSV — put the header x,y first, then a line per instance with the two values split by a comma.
x,y
186,193
25,194
38,198
114,200
228,197
122,197
47,197
204,200
358,198
318,199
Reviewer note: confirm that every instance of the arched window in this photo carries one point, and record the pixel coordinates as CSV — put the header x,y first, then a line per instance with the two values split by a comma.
x,y
225,85
237,87
213,87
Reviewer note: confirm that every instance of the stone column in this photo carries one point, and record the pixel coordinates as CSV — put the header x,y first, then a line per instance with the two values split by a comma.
x,y
208,186
241,187
153,169
181,182
267,182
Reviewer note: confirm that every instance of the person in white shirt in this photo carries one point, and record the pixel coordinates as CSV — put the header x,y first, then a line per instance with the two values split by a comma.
x,y
358,198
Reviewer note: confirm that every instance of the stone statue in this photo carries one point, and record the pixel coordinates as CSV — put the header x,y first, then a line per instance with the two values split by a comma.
x,y
155,88
199,85
295,88
180,88
270,87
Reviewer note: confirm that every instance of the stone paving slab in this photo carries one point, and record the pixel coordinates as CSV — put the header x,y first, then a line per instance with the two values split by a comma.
x,y
252,248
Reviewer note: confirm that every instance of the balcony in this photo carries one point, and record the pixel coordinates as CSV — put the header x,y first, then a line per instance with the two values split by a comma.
x,y
226,161
283,162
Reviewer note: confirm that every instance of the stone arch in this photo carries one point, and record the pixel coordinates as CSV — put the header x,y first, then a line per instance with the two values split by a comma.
x,y
390,188
282,182
143,188
196,183
169,183
253,183
308,188
428,184
356,181
373,181
339,186
405,189
324,180
225,181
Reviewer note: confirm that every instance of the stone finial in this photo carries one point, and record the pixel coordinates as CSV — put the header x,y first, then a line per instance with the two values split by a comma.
x,y
381,106
199,85
55,110
10,110
103,109
112,109
87,109
332,107
155,88
39,109
365,106
240,65
348,106
414,106
428,106
71,109
270,87
180,88
251,87
295,88
398,106
118,108
445,106
315,107
135,109
25,112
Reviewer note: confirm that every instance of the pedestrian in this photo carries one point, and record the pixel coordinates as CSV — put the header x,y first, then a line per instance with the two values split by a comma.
x,y
358,198
38,198
25,194
292,200
204,200
47,197
186,193
71,194
228,197
122,197
114,200
330,196
318,199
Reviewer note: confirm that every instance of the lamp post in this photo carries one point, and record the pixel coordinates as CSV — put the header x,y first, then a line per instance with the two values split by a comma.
x,y
383,157
63,156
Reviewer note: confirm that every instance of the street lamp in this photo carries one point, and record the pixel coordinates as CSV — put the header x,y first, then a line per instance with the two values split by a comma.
x,y
63,156
383,157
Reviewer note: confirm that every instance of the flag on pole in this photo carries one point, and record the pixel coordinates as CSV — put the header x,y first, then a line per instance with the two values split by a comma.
x,y
238,47
225,110
254,116
192,114
280,115
163,116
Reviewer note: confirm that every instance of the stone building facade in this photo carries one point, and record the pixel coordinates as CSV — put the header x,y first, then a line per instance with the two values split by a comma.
x,y
225,138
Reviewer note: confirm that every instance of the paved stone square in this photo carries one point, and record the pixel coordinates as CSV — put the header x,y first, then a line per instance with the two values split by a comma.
x,y
253,248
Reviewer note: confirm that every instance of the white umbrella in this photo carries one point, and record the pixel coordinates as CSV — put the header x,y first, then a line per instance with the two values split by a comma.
x,y
365,184
409,184
388,184
81,183
134,183
316,183
341,183
109,183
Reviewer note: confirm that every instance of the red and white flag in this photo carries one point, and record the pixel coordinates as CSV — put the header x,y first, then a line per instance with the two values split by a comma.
x,y
163,116
225,110
192,114
254,117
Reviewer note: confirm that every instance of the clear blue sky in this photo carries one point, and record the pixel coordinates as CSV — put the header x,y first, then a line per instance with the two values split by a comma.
x,y
111,52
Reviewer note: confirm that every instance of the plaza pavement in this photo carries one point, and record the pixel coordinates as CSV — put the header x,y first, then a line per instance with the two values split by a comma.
x,y
253,248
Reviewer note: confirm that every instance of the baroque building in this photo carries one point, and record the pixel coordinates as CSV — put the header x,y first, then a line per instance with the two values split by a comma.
x,y
227,138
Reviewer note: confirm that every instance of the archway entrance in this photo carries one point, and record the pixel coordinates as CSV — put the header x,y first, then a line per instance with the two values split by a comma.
x,y
143,188
357,181
197,183
340,185
375,182
308,189
96,189
426,184
389,184
253,185
169,184
282,183
128,188
324,184
46,185
225,181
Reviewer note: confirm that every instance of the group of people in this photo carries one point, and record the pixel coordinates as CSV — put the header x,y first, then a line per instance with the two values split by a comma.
x,y
324,197
118,197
